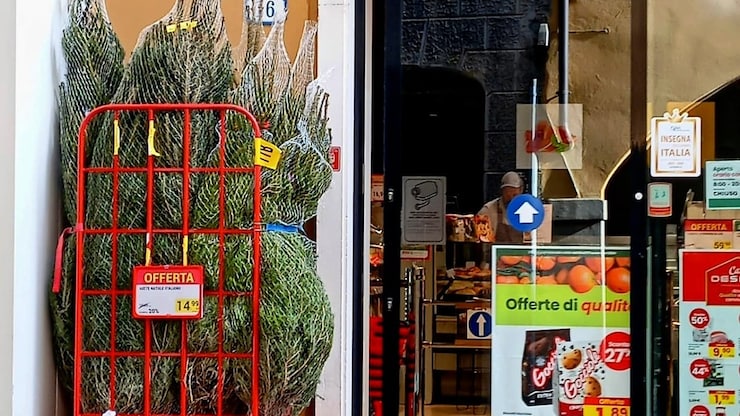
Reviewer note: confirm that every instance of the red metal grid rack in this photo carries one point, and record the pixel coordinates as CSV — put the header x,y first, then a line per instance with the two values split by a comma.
x,y
152,110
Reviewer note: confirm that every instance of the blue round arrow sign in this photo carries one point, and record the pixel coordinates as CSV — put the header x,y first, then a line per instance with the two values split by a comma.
x,y
525,213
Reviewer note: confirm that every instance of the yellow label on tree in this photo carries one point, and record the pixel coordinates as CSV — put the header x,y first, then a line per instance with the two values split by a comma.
x,y
266,154
187,306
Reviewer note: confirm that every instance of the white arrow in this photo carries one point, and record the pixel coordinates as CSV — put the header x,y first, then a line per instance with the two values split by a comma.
x,y
481,325
526,213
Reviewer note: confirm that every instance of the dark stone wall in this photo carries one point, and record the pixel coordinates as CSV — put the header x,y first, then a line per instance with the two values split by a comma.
x,y
491,40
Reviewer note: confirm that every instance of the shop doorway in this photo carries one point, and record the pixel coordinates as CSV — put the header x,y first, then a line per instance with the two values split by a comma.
x,y
441,135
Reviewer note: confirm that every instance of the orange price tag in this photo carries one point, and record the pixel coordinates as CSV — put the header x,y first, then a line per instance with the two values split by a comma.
x,y
721,351
606,407
721,397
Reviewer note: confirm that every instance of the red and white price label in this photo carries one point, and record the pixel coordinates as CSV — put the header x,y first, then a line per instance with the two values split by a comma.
x,y
699,318
700,369
168,292
615,351
699,410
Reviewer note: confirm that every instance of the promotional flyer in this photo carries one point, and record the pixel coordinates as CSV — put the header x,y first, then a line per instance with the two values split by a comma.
x,y
561,339
710,331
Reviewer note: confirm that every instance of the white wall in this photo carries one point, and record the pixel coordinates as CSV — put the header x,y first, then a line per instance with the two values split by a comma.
x,y
335,238
7,208
36,206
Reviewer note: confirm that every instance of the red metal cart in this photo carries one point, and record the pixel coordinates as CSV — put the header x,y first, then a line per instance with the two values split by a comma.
x,y
151,232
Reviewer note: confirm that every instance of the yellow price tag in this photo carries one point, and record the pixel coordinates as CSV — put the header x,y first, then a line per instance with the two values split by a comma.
x,y
720,351
598,410
266,154
187,306
721,397
723,245
598,406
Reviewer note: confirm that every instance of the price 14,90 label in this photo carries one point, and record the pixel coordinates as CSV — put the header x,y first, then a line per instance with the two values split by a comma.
x,y
187,306
602,410
721,351
721,397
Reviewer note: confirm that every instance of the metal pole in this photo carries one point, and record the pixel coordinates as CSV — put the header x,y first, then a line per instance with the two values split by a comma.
x,y
661,322
640,376
563,57
386,90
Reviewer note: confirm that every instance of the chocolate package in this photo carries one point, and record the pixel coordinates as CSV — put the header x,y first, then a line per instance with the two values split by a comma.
x,y
539,364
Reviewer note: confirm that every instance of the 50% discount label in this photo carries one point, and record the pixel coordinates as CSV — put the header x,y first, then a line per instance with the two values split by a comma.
x,y
601,406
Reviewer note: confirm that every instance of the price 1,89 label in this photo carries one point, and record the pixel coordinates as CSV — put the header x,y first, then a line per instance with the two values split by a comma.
x,y
721,397
721,351
602,410
187,306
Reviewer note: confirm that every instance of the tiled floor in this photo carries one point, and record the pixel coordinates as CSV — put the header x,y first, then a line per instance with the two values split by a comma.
x,y
453,411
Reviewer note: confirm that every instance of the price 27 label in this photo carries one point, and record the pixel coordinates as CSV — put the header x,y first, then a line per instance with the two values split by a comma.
x,y
615,350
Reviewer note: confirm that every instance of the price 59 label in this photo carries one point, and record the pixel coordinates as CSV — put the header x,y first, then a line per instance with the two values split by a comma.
x,y
699,318
723,245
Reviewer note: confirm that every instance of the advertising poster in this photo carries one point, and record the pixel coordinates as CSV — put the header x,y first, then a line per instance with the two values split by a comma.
x,y
561,339
710,331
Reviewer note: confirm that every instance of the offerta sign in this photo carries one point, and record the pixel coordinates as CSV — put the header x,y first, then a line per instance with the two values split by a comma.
x,y
708,356
561,330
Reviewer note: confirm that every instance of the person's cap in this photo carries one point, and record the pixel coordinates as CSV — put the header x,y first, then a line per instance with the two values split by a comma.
x,y
511,180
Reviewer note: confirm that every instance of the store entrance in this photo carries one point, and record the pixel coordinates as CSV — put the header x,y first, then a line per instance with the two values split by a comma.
x,y
442,138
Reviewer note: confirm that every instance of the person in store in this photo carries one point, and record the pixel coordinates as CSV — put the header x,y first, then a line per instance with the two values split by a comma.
x,y
511,186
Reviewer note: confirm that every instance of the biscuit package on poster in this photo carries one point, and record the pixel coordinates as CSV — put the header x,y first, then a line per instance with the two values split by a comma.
x,y
539,366
582,376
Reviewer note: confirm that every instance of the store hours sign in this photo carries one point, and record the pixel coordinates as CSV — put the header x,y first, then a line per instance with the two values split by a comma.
x,y
675,146
722,184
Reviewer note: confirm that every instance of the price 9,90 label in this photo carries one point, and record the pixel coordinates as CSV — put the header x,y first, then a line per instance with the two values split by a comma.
x,y
606,411
722,397
721,351
187,306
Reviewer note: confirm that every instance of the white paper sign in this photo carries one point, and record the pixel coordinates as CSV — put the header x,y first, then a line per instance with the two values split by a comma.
x,y
424,208
270,10
168,292
675,145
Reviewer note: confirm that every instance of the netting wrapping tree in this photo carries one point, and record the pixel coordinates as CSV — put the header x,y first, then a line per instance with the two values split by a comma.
x,y
185,57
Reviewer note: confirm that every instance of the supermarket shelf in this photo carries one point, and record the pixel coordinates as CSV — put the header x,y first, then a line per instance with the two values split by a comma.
x,y
459,344
459,304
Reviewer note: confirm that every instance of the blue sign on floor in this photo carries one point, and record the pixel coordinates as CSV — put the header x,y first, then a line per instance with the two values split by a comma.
x,y
525,213
480,324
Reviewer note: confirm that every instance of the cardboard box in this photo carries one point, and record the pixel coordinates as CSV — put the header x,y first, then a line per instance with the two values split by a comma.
x,y
696,211
544,231
711,234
